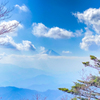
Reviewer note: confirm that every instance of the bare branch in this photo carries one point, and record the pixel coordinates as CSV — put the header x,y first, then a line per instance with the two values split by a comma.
x,y
38,97
4,12
7,29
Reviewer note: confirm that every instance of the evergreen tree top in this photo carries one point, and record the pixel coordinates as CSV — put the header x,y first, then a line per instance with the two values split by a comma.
x,y
87,89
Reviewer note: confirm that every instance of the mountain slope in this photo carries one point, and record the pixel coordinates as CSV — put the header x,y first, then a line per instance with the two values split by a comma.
x,y
51,52
13,93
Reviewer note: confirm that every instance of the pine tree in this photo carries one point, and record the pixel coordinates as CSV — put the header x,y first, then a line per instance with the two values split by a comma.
x,y
88,88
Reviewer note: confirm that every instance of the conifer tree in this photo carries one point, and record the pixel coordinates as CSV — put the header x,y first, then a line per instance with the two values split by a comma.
x,y
88,89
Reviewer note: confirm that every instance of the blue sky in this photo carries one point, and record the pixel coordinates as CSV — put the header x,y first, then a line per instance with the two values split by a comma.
x,y
68,27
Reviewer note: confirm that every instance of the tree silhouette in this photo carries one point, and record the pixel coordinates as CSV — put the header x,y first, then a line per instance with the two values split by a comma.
x,y
39,97
89,87
5,14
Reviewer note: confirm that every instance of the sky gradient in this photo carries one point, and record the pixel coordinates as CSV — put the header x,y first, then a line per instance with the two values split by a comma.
x,y
53,38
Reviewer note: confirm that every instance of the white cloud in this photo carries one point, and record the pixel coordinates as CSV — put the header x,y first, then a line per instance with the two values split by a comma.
x,y
22,8
56,64
5,26
2,55
8,42
9,23
90,17
66,52
78,33
90,41
41,30
42,49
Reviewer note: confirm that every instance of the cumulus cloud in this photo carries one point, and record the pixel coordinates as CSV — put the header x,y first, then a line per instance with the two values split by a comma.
x,y
22,8
5,27
66,52
41,30
9,23
8,42
90,41
90,17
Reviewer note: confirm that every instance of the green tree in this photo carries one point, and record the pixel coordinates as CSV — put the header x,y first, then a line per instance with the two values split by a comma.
x,y
89,87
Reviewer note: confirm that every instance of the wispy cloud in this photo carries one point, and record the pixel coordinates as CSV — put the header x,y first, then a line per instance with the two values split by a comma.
x,y
66,52
42,49
8,42
56,64
2,55
41,30
22,8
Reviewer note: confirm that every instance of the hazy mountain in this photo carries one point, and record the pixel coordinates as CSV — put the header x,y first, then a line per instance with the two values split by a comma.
x,y
13,93
30,78
11,75
51,52
40,82
41,79
27,72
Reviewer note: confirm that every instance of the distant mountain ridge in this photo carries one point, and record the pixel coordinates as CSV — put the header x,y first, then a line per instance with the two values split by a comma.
x,y
14,93
51,52
30,78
